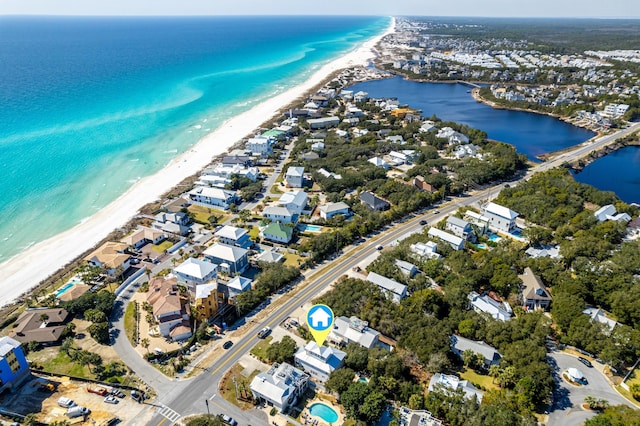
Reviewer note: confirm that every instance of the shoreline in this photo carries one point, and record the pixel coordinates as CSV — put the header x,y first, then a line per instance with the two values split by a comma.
x,y
25,271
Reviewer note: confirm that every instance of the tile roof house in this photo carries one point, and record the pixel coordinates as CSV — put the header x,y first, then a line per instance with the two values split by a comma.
x,y
74,292
500,217
374,202
45,326
234,236
143,236
484,304
534,293
353,330
111,256
230,259
170,310
281,386
194,271
396,290
277,232
319,361
329,210
13,365
460,344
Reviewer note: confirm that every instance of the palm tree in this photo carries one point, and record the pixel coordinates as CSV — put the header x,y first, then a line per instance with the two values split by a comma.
x,y
145,344
44,318
494,372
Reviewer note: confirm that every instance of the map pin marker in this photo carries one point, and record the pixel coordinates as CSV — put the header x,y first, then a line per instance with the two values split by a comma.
x,y
320,321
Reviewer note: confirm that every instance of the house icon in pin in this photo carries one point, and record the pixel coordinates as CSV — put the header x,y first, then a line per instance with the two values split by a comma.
x,y
320,318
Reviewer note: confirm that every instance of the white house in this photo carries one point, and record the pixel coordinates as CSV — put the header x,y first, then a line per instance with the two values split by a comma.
x,y
212,197
234,236
294,201
454,241
323,123
279,214
396,290
175,223
458,227
464,151
319,361
193,272
609,212
353,330
379,162
452,136
281,386
317,146
237,285
482,222
497,310
447,383
427,126
427,249
328,211
460,344
230,259
295,177
262,146
407,268
500,217
600,316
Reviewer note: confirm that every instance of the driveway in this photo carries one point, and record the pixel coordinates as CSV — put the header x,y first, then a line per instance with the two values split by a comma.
x,y
567,399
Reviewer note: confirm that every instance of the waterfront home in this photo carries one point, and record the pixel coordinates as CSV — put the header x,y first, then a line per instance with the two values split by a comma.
x,y
330,210
43,325
230,259
294,201
442,382
281,386
236,159
212,197
484,304
454,241
458,227
460,344
391,288
379,162
226,171
170,310
277,232
193,272
609,212
533,292
73,293
427,126
319,361
295,177
14,367
237,285
427,249
233,236
500,218
260,146
374,202
353,330
206,300
174,223
452,136
110,256
143,236
464,151
323,123
360,96
279,214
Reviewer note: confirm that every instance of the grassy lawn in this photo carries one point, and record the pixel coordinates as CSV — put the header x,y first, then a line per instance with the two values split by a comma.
x,y
160,248
627,395
260,350
292,259
478,380
130,322
62,364
201,214
228,387
254,233
633,378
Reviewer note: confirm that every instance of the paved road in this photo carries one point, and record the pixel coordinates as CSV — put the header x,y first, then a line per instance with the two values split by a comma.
x,y
567,399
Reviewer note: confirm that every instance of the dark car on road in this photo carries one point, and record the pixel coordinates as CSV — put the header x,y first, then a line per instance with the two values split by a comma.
x,y
227,344
585,361
423,222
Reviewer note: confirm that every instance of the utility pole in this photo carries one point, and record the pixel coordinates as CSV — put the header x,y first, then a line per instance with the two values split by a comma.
x,y
206,401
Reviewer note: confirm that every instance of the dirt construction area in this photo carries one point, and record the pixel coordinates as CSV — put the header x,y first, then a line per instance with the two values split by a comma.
x,y
35,396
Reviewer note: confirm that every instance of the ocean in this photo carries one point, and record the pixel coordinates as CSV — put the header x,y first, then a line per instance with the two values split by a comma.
x,y
89,105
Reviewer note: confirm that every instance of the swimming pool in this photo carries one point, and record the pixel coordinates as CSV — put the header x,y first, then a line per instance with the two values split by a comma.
x,y
323,411
73,281
495,238
310,228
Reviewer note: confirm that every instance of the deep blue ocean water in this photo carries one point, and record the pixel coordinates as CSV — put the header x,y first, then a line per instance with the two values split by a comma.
x,y
90,105
618,171
532,134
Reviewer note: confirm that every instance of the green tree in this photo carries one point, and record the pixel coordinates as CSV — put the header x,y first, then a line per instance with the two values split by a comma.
x,y
282,351
100,332
145,343
340,380
372,407
95,315
416,402
353,398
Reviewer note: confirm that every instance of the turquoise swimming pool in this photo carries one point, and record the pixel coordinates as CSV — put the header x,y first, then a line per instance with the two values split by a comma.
x,y
73,281
310,228
323,411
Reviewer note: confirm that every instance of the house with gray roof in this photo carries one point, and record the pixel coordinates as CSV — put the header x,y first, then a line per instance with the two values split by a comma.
x,y
175,223
458,227
329,210
279,214
230,259
407,268
534,293
295,201
374,202
484,304
454,241
237,285
295,177
270,256
460,344
233,236
281,386
500,218
394,289
319,361
353,330
447,383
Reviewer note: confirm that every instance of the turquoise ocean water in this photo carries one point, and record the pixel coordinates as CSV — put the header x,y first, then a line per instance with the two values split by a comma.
x,y
90,105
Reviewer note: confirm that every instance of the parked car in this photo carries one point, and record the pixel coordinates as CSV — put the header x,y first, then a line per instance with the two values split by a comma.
x,y
264,332
66,402
116,392
229,420
111,399
423,222
78,411
585,361
227,344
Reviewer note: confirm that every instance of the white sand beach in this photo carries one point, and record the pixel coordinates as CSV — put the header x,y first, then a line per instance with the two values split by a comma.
x,y
26,270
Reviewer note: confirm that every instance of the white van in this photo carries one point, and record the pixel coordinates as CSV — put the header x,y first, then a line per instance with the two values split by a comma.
x,y
78,411
66,402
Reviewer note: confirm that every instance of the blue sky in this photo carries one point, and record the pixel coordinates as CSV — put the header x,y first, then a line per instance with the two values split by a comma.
x,y
498,8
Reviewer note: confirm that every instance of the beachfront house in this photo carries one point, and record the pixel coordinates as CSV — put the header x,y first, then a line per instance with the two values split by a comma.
x,y
486,305
323,122
174,223
42,325
459,345
143,236
279,214
294,201
212,197
534,294
280,387
261,146
233,236
454,241
230,259
193,272
500,218
391,288
111,256
277,232
319,361
330,210
13,365
295,177
353,330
